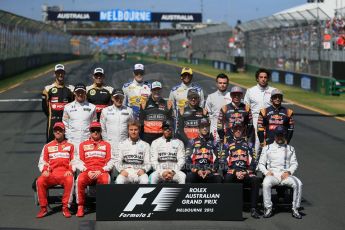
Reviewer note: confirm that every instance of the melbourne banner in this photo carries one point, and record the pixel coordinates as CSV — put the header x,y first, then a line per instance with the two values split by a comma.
x,y
119,15
169,202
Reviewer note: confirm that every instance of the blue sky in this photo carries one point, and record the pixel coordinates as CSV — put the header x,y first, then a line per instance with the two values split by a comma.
x,y
216,10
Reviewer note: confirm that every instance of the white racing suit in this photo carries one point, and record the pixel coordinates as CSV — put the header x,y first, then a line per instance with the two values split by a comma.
x,y
132,156
114,122
214,103
167,155
279,159
258,98
77,118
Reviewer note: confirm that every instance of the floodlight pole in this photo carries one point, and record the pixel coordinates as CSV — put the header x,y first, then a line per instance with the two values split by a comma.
x,y
320,38
202,9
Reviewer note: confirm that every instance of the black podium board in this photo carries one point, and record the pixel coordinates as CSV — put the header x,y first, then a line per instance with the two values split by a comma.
x,y
169,202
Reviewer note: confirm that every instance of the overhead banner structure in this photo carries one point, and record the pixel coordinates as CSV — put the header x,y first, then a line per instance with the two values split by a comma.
x,y
119,15
169,202
73,16
125,16
176,17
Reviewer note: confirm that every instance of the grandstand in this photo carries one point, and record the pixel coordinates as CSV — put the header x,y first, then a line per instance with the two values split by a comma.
x,y
301,39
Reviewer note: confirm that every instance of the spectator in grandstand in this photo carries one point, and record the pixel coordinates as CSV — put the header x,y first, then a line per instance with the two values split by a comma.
x,y
272,117
341,41
304,65
189,117
114,119
280,171
56,168
236,111
259,97
77,116
216,101
95,156
240,163
153,112
54,99
202,157
136,91
97,93
167,157
178,94
132,157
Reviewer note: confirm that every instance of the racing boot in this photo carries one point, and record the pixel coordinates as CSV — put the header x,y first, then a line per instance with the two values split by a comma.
x,y
43,212
80,212
296,214
66,212
268,212
254,213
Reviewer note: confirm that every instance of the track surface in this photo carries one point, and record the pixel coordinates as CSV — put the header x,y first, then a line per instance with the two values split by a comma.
x,y
319,142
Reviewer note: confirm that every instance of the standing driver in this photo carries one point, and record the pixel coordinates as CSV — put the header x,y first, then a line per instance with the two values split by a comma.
x,y
77,117
136,91
54,99
274,116
215,101
259,97
98,93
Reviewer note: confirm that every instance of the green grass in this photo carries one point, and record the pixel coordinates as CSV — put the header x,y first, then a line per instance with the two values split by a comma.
x,y
334,105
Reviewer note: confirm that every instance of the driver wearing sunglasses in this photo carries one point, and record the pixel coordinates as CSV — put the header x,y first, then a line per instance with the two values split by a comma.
x,y
95,155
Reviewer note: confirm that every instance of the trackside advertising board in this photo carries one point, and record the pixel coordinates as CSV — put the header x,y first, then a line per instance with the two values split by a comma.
x,y
169,202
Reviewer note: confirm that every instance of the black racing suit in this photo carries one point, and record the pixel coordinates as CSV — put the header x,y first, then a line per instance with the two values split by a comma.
x,y
229,114
270,118
188,123
99,96
54,99
238,156
202,155
151,115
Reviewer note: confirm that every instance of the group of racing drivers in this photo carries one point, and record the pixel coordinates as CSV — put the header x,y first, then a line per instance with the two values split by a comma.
x,y
135,134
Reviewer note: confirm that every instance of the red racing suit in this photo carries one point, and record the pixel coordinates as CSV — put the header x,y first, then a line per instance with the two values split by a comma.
x,y
96,155
57,159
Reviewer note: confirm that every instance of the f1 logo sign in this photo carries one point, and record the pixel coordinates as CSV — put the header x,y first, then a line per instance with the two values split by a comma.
x,y
137,199
163,200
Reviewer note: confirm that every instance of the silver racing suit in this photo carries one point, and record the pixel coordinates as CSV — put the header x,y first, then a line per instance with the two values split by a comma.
x,y
167,155
132,156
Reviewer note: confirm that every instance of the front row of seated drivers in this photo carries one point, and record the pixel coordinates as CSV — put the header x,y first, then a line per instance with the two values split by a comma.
x,y
203,161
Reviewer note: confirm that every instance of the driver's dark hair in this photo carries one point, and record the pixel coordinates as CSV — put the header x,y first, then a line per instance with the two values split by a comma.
x,y
222,76
262,70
